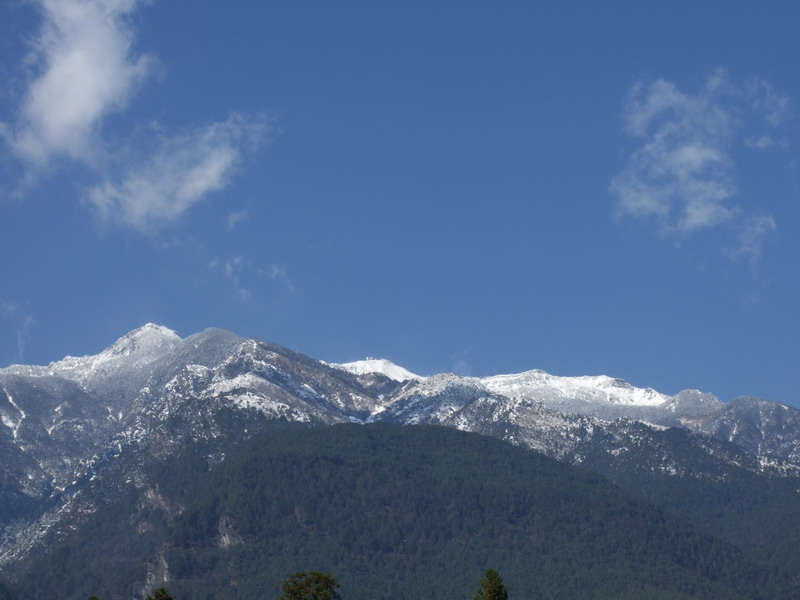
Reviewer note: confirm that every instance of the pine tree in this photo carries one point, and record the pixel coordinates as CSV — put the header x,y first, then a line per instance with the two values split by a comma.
x,y
160,594
492,587
310,586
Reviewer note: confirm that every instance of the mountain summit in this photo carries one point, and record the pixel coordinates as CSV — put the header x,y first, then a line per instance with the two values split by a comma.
x,y
379,366
151,394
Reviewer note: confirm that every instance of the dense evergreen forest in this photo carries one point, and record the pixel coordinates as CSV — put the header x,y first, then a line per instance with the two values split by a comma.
x,y
411,512
10,592
759,514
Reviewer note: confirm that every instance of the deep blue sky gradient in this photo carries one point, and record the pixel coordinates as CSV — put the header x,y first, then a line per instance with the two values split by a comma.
x,y
435,189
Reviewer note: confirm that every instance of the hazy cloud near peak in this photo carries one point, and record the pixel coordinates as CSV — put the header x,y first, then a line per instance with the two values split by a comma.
x,y
84,69
21,319
238,269
682,173
180,172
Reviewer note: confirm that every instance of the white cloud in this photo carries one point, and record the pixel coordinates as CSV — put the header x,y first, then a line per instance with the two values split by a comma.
x,y
84,69
762,143
233,270
247,278
21,320
681,175
280,275
776,110
461,363
751,238
237,217
180,172
276,272
775,107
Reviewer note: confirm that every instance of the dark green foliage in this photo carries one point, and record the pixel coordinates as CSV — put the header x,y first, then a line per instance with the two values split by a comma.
x,y
110,554
760,516
416,512
492,587
413,512
160,594
11,592
104,553
310,586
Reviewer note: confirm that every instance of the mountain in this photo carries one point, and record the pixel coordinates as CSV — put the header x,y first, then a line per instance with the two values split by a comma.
x,y
602,397
379,366
82,433
403,512
761,426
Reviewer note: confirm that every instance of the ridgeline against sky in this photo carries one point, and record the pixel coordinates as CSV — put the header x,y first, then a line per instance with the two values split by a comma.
x,y
455,186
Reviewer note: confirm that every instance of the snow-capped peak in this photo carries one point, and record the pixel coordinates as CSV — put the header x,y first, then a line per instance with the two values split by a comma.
x,y
140,347
149,336
587,389
378,365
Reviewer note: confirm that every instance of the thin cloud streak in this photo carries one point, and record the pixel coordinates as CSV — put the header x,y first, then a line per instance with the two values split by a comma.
x,y
85,70
279,274
179,173
751,239
21,320
240,268
682,174
233,270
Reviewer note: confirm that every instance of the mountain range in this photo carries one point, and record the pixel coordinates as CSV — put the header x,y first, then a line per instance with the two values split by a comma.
x,y
76,430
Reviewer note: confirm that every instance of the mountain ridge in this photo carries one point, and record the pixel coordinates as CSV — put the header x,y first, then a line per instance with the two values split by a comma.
x,y
152,393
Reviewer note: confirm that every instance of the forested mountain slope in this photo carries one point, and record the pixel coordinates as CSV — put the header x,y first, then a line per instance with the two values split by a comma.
x,y
104,442
402,512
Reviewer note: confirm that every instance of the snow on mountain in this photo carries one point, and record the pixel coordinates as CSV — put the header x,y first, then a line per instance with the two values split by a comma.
x,y
763,427
380,366
574,391
434,399
133,351
603,397
151,392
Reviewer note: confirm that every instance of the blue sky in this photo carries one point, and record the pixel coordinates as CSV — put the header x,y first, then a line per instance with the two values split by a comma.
x,y
477,187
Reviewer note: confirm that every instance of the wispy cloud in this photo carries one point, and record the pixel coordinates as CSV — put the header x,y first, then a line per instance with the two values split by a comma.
x,y
751,239
775,108
239,269
682,173
461,364
84,68
238,217
181,171
233,270
280,276
21,320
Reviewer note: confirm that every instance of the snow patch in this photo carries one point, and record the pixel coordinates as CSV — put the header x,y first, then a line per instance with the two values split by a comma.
x,y
134,350
8,421
599,389
380,366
